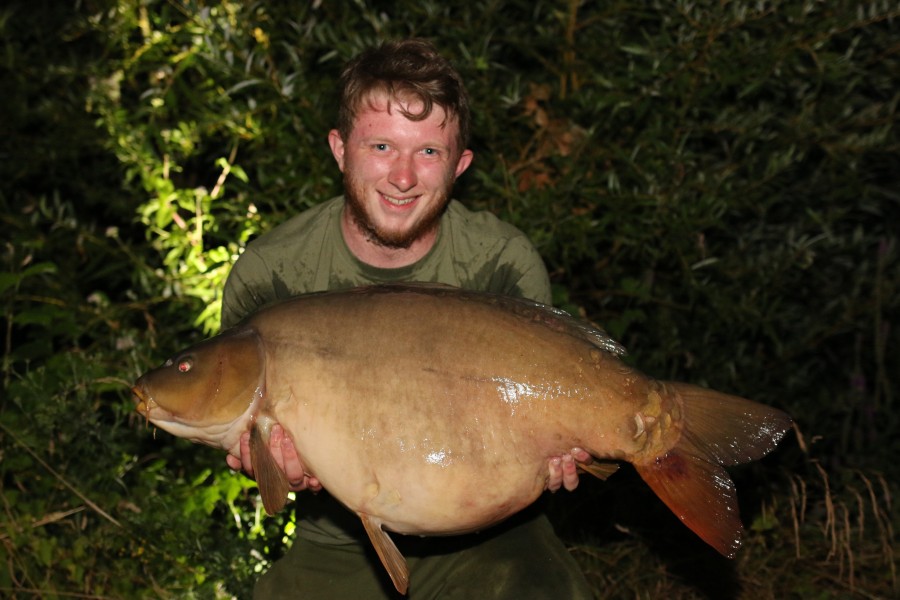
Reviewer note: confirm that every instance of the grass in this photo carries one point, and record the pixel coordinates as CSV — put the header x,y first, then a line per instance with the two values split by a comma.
x,y
820,535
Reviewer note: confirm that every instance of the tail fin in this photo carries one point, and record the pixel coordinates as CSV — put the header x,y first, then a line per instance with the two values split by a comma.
x,y
718,430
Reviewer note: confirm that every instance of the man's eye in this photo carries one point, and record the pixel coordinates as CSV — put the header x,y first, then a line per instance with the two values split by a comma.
x,y
430,151
381,147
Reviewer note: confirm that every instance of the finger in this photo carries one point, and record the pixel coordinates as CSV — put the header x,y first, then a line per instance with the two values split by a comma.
x,y
582,456
234,462
285,454
293,468
556,475
287,458
569,472
245,454
276,435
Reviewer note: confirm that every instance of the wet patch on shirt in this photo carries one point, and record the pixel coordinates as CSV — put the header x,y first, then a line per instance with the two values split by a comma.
x,y
501,279
281,288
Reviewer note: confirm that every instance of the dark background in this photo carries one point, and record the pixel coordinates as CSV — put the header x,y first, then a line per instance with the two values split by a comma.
x,y
714,183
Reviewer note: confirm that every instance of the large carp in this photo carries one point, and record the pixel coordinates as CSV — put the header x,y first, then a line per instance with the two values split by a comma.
x,y
431,410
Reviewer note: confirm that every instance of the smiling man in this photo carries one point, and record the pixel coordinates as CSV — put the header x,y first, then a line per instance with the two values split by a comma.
x,y
398,174
401,142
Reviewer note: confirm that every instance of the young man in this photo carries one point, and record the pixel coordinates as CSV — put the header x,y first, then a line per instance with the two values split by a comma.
x,y
401,142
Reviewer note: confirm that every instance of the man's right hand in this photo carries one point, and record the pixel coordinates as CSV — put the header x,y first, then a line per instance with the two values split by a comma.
x,y
285,455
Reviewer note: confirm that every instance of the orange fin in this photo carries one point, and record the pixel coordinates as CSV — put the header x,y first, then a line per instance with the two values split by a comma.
x,y
718,430
387,551
271,480
599,469
730,429
700,494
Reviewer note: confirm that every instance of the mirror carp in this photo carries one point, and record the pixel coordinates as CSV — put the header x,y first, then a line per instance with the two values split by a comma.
x,y
430,410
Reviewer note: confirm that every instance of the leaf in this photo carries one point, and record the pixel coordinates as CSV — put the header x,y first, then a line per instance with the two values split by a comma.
x,y
8,280
242,85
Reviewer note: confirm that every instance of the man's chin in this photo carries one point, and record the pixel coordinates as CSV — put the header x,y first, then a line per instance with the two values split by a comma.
x,y
394,240
394,230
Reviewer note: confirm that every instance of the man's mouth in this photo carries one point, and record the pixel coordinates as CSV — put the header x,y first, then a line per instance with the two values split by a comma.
x,y
398,201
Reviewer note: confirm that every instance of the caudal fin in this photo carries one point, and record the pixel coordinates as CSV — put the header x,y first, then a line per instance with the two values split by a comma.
x,y
718,430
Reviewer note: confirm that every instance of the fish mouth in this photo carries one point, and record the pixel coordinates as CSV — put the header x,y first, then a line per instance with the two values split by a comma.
x,y
143,403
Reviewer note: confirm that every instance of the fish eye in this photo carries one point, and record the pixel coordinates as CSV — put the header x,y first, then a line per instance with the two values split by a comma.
x,y
185,365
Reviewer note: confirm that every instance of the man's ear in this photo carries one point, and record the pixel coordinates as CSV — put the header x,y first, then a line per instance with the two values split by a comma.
x,y
337,147
465,159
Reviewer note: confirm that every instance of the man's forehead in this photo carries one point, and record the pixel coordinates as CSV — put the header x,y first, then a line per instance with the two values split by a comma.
x,y
409,107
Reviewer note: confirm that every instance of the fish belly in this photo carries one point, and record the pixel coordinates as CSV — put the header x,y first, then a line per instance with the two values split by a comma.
x,y
437,416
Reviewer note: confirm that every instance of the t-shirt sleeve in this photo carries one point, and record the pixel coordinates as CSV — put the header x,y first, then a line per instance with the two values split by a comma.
x,y
245,288
521,272
281,263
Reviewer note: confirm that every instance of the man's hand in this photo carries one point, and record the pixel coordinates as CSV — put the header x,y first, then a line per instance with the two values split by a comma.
x,y
564,470
286,457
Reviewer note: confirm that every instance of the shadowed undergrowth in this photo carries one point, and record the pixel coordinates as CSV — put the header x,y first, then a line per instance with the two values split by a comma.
x,y
713,183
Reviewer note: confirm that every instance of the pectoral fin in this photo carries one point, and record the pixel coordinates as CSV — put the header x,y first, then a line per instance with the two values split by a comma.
x,y
272,482
387,551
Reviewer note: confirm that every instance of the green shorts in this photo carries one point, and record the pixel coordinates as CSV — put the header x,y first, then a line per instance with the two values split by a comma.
x,y
520,559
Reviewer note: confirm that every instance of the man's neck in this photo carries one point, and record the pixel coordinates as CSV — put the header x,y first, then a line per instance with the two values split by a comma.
x,y
374,254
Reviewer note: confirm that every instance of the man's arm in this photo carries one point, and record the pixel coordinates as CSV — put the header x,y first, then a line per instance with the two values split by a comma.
x,y
244,290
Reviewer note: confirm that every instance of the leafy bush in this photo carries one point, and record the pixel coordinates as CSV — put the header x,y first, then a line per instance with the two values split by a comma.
x,y
714,183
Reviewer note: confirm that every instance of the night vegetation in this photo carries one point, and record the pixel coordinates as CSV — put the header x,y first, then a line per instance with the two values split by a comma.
x,y
715,183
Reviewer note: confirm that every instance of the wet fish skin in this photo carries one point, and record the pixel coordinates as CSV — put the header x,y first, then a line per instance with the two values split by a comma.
x,y
430,410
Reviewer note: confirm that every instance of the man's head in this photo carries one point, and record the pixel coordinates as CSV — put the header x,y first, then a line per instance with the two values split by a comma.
x,y
400,144
409,70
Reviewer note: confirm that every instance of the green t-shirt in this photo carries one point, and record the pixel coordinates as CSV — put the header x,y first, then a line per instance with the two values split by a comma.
x,y
307,253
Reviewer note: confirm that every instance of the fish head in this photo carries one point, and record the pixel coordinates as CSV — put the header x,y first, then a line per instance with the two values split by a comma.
x,y
209,392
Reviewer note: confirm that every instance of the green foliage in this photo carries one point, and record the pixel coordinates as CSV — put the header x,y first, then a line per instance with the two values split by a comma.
x,y
714,183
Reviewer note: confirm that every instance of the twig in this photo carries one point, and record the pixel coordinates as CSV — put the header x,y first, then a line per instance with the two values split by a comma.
x,y
62,479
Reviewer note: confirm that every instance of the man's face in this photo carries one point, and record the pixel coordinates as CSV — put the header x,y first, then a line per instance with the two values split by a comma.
x,y
398,173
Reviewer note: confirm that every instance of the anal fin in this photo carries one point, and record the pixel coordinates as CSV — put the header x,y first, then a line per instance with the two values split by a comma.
x,y
387,551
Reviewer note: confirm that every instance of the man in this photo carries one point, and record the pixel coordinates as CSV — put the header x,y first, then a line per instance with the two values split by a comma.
x,y
401,142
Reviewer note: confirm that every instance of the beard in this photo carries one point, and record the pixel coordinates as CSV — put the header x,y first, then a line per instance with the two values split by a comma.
x,y
354,194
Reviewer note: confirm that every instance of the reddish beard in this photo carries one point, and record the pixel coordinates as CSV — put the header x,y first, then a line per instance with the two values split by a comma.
x,y
354,194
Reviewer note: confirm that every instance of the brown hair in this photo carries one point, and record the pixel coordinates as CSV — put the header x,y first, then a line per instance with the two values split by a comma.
x,y
408,69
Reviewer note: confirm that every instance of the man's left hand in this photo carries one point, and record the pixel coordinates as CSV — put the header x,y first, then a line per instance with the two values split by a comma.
x,y
564,469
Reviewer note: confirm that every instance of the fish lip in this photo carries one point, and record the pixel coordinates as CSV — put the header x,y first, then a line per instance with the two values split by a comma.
x,y
143,403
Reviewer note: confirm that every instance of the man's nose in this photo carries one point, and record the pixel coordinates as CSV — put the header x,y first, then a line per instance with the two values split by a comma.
x,y
403,173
